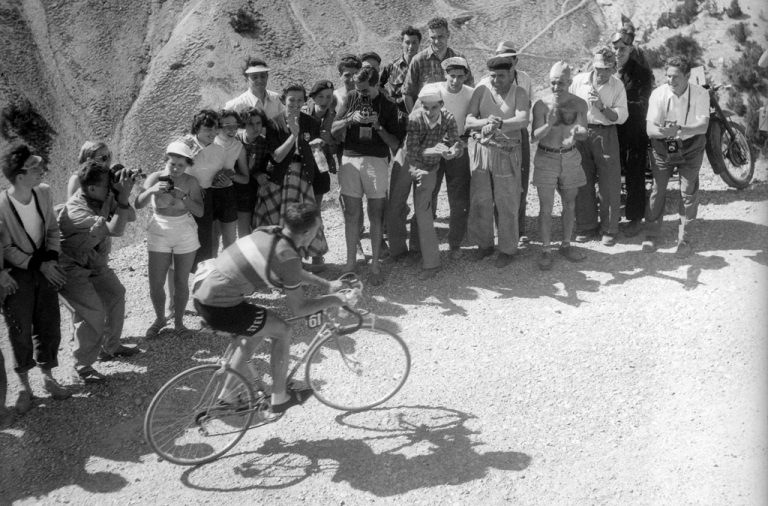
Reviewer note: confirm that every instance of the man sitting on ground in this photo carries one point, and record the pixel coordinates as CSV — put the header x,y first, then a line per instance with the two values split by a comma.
x,y
269,256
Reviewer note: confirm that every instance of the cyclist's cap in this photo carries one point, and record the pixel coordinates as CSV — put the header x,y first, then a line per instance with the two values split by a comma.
x,y
431,93
256,68
506,48
455,63
179,148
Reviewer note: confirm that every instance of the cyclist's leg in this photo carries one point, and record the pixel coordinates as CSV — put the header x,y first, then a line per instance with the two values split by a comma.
x,y
274,327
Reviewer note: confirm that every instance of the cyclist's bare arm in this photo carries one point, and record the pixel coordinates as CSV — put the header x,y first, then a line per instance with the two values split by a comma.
x,y
328,286
301,306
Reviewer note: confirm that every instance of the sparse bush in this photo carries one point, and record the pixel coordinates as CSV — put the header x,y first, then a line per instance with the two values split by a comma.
x,y
683,45
245,22
734,10
682,15
740,32
744,73
19,119
735,102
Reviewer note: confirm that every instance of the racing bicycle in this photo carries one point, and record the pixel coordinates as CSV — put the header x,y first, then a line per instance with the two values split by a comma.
x,y
202,413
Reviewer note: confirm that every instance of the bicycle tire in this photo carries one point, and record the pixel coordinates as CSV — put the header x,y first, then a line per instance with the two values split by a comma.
x,y
736,173
186,422
358,371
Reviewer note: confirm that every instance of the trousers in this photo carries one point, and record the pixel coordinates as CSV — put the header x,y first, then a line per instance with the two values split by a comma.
x,y
600,161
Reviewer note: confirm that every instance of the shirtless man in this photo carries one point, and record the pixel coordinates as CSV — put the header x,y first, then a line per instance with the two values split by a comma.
x,y
559,120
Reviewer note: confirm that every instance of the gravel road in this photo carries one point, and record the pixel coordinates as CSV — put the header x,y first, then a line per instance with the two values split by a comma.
x,y
631,378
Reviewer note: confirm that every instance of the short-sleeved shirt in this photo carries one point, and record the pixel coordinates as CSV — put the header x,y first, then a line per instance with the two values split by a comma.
x,y
425,68
262,259
687,109
422,135
208,160
271,104
387,112
612,95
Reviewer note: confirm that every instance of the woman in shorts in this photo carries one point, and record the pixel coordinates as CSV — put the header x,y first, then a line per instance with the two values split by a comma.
x,y
176,199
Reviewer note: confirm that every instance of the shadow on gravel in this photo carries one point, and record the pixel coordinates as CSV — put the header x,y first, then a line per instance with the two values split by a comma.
x,y
755,192
399,449
59,440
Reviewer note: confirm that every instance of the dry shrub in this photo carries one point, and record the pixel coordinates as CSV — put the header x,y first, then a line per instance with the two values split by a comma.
x,y
245,22
744,73
758,139
734,10
740,32
683,15
20,119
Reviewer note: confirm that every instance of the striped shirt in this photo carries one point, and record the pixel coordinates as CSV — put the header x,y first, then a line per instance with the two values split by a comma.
x,y
241,269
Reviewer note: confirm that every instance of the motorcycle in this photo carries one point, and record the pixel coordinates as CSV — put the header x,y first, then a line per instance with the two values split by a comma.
x,y
728,150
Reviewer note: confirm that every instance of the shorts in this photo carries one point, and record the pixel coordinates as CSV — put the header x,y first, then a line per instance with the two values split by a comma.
x,y
172,234
560,170
221,203
364,175
243,319
245,195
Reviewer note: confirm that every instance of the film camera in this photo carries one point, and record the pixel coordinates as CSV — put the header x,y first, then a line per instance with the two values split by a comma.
x,y
167,179
365,109
116,172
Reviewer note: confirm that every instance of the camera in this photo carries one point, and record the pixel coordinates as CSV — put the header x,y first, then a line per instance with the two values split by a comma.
x,y
673,145
167,179
117,170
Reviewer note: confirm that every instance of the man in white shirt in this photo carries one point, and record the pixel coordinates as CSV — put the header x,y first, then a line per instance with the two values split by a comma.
x,y
678,116
607,100
256,73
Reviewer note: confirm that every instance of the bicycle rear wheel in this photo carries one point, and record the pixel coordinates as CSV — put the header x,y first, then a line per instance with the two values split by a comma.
x,y
359,370
199,415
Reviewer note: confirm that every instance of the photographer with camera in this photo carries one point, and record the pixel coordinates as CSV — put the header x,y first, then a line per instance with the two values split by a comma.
x,y
175,198
678,116
98,211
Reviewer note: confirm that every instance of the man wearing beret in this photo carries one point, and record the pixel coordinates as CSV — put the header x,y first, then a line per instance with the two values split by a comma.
x,y
607,100
496,115
522,79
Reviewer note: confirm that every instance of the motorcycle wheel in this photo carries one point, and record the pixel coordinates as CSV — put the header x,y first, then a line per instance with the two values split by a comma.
x,y
731,159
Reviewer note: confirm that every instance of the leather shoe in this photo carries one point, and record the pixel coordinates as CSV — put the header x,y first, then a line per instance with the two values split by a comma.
x,y
58,392
23,402
609,240
121,351
572,254
89,375
481,253
683,250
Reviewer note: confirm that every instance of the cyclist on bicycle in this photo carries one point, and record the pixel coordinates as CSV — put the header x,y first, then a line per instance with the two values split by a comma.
x,y
269,256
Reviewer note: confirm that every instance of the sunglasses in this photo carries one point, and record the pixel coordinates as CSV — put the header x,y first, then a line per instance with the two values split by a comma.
x,y
102,158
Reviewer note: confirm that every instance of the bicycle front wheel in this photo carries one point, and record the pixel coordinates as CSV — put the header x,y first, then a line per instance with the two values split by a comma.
x,y
199,415
359,370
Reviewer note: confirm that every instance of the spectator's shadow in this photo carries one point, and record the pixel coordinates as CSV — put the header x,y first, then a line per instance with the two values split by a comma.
x,y
399,449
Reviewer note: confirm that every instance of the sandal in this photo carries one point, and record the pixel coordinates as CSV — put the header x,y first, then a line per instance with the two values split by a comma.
x,y
154,330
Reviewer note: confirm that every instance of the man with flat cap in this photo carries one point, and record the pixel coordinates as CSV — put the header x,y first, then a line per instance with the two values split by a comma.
x,y
496,115
559,121
522,79
607,101
257,95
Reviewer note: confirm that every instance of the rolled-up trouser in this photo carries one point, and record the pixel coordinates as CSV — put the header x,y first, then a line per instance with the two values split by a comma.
x,y
688,169
494,189
600,161
98,300
422,204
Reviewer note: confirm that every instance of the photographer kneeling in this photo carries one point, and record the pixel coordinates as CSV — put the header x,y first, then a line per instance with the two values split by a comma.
x,y
97,211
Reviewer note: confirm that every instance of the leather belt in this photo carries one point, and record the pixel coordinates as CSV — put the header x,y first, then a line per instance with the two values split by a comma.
x,y
557,150
599,125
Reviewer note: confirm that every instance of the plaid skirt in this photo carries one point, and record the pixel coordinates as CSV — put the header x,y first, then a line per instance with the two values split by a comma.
x,y
272,198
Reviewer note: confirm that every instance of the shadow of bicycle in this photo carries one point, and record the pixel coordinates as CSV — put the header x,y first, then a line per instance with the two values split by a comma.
x,y
401,449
